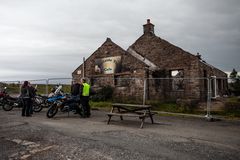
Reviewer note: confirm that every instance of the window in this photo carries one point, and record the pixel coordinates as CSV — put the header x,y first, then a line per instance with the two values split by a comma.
x,y
219,83
177,81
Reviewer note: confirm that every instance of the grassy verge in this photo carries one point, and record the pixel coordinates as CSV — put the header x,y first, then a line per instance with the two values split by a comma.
x,y
228,114
100,105
171,107
167,107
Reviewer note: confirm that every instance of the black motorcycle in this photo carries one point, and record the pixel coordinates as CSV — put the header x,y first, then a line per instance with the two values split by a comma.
x,y
3,94
8,102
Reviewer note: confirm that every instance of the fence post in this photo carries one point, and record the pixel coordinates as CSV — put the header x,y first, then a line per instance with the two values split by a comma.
x,y
47,81
209,95
19,83
214,79
144,91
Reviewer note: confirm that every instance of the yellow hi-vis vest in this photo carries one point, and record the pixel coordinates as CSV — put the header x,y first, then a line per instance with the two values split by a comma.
x,y
86,89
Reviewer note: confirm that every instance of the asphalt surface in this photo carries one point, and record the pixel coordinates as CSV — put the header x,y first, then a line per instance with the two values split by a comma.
x,y
74,138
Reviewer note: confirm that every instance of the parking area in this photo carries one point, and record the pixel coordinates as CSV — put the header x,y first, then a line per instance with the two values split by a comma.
x,y
73,138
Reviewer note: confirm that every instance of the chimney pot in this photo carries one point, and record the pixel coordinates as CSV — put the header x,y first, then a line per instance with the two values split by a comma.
x,y
108,39
148,21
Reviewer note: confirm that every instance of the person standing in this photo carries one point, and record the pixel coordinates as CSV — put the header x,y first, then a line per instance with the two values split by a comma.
x,y
75,90
75,95
75,98
26,99
32,94
84,96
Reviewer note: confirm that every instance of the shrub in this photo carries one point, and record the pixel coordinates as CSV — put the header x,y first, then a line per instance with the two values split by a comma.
x,y
188,105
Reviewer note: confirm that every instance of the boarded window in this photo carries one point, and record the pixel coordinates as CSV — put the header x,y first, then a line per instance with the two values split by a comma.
x,y
219,83
177,81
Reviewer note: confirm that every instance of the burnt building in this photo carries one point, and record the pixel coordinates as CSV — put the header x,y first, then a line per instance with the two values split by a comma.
x,y
170,71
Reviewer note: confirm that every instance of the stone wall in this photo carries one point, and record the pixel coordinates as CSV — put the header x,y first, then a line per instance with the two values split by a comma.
x,y
169,57
132,72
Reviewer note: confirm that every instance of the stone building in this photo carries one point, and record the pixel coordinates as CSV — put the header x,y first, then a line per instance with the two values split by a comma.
x,y
170,71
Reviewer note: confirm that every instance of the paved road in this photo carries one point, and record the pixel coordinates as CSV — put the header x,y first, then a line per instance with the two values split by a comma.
x,y
71,138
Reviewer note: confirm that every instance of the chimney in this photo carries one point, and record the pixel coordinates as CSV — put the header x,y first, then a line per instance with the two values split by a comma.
x,y
108,39
148,28
148,21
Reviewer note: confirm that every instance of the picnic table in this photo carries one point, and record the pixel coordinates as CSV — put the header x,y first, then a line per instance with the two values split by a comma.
x,y
131,110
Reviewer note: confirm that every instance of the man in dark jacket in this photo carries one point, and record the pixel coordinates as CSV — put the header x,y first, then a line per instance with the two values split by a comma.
x,y
75,89
25,96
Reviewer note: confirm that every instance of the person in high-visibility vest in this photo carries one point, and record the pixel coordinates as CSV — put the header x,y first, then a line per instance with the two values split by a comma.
x,y
84,96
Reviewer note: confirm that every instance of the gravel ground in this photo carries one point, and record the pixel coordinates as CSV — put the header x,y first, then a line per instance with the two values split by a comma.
x,y
74,138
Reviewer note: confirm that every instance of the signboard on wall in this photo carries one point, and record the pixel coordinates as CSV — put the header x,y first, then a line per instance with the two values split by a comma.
x,y
108,65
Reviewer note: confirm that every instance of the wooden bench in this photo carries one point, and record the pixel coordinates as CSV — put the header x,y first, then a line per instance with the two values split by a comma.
x,y
131,110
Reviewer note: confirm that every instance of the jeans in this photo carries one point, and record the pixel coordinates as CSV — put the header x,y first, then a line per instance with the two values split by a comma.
x,y
85,105
26,106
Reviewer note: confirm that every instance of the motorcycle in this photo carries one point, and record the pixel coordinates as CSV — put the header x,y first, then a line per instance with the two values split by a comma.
x,y
3,94
8,102
42,100
63,102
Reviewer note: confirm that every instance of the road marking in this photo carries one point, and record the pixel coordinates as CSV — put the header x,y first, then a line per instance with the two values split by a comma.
x,y
31,148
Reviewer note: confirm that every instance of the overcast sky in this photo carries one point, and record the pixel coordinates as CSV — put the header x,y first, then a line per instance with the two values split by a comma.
x,y
49,38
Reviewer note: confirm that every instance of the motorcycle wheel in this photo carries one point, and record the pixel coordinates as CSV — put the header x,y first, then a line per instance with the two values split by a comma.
x,y
52,111
7,107
80,109
37,107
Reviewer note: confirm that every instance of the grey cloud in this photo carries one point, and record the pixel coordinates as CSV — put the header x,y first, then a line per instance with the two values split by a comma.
x,y
59,34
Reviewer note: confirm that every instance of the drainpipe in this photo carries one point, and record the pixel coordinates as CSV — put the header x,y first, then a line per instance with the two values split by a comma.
x,y
83,67
144,91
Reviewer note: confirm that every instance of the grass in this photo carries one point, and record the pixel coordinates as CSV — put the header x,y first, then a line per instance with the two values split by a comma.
x,y
102,105
41,88
170,107
157,106
11,88
233,99
232,107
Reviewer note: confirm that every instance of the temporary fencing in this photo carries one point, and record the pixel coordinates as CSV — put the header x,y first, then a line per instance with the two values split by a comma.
x,y
174,94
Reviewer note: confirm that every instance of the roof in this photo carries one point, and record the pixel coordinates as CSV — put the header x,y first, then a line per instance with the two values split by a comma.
x,y
106,44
